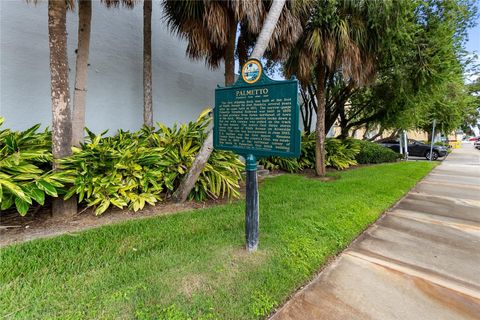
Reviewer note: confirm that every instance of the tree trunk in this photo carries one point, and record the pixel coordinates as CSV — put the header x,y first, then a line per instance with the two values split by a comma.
x,y
354,132
230,53
203,155
320,127
375,136
267,29
147,64
188,182
343,131
61,123
81,70
242,50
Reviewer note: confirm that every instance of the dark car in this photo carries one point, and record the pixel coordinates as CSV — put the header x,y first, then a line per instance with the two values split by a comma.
x,y
417,149
476,144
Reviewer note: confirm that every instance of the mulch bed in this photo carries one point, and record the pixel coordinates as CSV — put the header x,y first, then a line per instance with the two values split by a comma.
x,y
39,223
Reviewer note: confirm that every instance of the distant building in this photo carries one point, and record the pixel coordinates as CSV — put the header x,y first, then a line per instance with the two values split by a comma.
x,y
181,88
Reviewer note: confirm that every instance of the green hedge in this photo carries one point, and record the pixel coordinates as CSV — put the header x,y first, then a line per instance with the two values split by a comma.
x,y
340,154
129,169
371,152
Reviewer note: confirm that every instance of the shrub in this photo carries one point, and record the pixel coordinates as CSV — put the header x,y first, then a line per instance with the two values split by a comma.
x,y
442,144
371,152
129,169
26,169
291,165
135,168
340,154
222,172
219,178
117,171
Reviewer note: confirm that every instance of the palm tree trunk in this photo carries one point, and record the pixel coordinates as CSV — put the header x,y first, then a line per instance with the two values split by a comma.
x,y
203,155
230,53
81,71
61,123
181,194
147,64
242,50
320,127
268,28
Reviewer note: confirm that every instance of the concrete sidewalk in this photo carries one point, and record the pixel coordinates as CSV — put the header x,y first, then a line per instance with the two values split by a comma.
x,y
420,261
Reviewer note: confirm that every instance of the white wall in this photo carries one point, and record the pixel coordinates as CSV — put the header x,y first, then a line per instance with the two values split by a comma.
x,y
181,88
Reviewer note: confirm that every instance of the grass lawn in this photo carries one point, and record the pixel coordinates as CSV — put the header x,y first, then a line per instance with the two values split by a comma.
x,y
193,264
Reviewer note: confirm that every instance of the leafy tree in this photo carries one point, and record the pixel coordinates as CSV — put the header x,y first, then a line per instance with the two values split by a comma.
x,y
426,80
338,51
473,119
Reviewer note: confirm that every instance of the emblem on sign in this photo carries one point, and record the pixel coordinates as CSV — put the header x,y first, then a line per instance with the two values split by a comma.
x,y
251,71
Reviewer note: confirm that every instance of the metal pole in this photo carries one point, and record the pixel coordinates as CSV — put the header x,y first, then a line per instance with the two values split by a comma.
x,y
400,140
431,140
251,204
405,141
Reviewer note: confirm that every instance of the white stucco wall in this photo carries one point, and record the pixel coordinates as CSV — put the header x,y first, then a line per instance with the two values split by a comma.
x,y
181,88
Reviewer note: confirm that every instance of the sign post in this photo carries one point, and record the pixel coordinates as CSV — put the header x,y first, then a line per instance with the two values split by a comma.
x,y
251,203
433,136
256,117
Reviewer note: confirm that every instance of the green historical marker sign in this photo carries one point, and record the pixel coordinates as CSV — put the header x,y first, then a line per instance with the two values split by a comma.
x,y
257,115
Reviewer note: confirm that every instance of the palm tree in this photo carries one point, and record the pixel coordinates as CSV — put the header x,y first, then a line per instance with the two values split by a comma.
x,y
268,27
147,64
147,54
61,124
81,66
81,69
339,36
211,29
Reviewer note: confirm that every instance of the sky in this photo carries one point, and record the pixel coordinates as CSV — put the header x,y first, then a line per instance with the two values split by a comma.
x,y
473,45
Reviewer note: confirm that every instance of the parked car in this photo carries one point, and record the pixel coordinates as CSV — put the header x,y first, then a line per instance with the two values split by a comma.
x,y
473,139
417,148
477,144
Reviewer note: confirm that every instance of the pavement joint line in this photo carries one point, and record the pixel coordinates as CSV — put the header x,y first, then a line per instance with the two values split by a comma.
x,y
450,184
458,224
466,202
450,173
454,169
438,177
445,173
457,165
391,230
410,270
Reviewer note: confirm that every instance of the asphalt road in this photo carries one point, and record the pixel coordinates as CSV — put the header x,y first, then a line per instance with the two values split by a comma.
x,y
419,261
